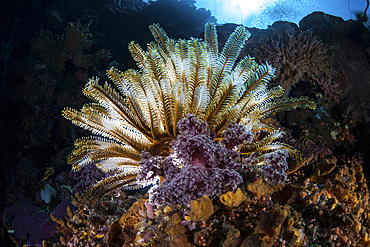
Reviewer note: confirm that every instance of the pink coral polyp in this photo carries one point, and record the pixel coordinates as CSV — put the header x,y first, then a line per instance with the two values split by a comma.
x,y
198,157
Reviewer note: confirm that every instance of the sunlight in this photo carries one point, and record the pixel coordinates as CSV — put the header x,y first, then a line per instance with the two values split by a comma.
x,y
261,13
247,6
236,11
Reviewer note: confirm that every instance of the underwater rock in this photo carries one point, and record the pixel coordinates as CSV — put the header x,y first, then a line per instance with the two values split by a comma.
x,y
47,193
233,199
349,41
319,22
201,209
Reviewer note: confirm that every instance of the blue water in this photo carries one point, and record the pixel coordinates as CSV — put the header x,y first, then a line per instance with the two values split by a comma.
x,y
261,13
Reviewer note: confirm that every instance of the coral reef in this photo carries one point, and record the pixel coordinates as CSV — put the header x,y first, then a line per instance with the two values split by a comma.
x,y
297,56
349,41
79,230
324,202
176,78
325,210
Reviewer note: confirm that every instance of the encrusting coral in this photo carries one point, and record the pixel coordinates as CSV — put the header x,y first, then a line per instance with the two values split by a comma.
x,y
176,78
233,199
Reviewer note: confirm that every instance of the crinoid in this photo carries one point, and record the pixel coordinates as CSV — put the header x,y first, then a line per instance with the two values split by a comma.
x,y
174,78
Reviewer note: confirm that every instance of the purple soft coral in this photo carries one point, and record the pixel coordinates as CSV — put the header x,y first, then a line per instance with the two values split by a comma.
x,y
151,167
275,170
207,167
275,166
235,135
193,182
194,146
